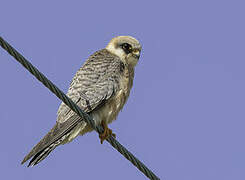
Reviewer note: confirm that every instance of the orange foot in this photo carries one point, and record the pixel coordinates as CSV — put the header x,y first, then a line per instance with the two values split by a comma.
x,y
107,132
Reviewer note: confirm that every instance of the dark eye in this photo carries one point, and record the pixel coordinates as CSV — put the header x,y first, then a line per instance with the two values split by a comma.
x,y
127,48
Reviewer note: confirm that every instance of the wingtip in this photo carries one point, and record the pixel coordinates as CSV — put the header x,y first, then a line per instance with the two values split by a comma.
x,y
29,164
25,159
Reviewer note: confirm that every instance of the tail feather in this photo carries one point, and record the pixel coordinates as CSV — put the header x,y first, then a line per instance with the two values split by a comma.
x,y
45,152
50,141
41,155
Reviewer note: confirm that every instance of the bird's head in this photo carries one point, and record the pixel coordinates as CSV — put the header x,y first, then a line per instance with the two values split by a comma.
x,y
126,47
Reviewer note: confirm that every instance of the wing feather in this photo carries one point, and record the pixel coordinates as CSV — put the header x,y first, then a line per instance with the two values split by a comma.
x,y
92,85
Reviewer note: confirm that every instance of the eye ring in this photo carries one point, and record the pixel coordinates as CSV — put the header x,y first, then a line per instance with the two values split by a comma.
x,y
127,48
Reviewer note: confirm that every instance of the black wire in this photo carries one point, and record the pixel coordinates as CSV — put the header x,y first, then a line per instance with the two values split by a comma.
x,y
75,108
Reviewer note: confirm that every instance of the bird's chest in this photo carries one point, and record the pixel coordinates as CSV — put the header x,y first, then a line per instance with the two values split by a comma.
x,y
111,109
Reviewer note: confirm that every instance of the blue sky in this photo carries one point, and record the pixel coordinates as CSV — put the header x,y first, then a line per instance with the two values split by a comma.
x,y
185,116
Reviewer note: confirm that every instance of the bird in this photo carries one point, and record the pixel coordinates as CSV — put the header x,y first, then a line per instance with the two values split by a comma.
x,y
100,88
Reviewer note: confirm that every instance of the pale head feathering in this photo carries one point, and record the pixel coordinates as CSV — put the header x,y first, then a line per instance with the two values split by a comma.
x,y
125,47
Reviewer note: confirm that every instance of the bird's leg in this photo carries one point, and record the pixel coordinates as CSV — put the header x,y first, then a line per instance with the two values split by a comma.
x,y
107,132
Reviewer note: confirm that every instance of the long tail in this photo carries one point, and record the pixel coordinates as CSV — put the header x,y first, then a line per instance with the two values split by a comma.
x,y
44,153
42,149
56,136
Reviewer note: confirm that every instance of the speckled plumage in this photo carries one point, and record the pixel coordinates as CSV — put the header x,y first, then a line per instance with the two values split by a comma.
x,y
100,87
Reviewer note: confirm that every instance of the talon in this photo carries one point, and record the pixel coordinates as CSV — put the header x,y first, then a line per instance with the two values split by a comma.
x,y
107,132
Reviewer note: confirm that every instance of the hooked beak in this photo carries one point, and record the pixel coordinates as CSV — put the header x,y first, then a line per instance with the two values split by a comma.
x,y
136,53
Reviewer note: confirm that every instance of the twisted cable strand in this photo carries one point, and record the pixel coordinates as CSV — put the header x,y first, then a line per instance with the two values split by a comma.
x,y
53,88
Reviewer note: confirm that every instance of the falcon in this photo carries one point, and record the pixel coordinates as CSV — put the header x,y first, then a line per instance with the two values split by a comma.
x,y
100,88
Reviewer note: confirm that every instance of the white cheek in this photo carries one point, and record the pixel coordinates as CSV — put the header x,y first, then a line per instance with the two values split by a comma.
x,y
117,51
120,53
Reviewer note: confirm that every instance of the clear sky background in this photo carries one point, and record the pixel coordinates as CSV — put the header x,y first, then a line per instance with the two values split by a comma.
x,y
185,116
